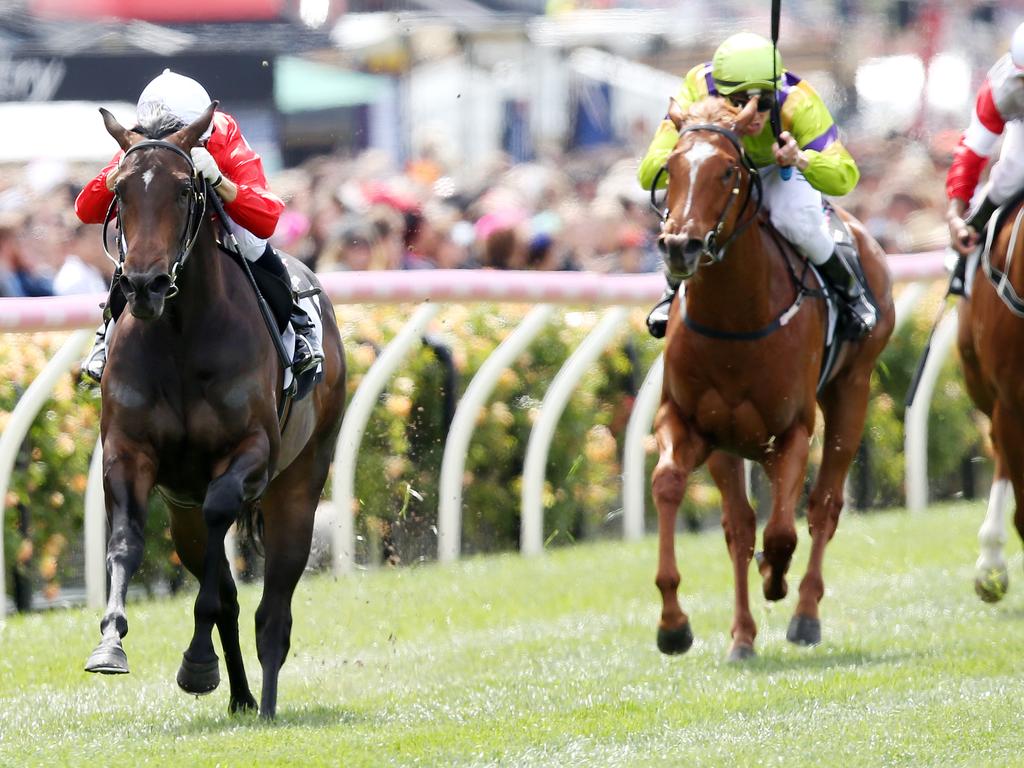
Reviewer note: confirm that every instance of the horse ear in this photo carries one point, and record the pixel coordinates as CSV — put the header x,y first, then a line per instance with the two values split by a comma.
x,y
745,116
190,135
122,135
676,114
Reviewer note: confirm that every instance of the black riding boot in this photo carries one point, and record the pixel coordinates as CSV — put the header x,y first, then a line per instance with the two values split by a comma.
x,y
309,352
860,316
979,217
96,361
657,321
958,280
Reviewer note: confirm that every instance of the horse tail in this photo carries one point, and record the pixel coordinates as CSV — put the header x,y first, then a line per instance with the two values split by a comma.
x,y
249,526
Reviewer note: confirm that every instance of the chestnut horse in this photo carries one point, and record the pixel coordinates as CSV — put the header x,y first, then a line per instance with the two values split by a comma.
x,y
741,374
991,330
190,408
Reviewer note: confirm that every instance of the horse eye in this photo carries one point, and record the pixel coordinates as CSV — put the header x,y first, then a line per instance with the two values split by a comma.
x,y
184,193
729,172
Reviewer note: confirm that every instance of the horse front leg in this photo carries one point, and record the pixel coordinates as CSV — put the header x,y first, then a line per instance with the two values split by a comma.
x,y
844,405
740,526
1008,437
991,578
680,450
243,479
786,466
128,477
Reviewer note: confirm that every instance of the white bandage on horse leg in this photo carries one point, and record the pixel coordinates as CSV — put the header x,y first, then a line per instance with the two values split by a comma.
x,y
992,534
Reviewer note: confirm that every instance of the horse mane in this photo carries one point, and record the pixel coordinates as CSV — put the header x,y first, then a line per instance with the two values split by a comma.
x,y
712,109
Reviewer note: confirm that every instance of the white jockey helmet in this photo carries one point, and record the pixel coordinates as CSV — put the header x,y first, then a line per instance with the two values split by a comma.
x,y
170,95
1017,47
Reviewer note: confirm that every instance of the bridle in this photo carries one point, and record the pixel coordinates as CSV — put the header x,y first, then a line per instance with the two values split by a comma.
x,y
717,254
193,222
710,249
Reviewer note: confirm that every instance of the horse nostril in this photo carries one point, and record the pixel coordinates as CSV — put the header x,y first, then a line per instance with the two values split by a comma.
x,y
160,285
127,285
693,248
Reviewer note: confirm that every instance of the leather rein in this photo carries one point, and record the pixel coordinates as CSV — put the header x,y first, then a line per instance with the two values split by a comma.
x,y
193,222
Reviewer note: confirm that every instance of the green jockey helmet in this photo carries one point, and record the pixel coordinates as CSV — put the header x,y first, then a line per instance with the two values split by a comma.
x,y
744,62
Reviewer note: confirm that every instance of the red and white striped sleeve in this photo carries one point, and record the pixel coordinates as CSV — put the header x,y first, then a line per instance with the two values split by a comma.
x,y
975,146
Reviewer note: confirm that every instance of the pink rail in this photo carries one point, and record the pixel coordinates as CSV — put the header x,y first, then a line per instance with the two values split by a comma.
x,y
61,313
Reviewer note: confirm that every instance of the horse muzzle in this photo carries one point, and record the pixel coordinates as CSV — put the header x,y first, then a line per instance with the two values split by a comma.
x,y
146,292
682,254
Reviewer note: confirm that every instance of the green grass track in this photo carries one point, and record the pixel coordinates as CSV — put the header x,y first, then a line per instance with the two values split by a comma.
x,y
552,662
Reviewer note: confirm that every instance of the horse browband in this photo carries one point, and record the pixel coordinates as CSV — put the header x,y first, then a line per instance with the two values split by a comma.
x,y
161,144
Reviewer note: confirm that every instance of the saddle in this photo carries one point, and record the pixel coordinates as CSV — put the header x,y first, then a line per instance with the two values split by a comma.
x,y
982,256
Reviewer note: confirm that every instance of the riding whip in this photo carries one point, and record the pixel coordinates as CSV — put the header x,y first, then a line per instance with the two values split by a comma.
x,y
776,118
916,379
268,315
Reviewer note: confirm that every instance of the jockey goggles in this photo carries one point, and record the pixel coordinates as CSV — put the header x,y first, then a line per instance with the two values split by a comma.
x,y
740,99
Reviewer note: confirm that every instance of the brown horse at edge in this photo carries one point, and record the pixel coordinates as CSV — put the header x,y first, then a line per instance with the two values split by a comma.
x,y
724,401
991,325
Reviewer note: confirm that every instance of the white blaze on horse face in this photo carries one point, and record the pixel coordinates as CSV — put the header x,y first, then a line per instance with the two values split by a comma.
x,y
695,156
147,177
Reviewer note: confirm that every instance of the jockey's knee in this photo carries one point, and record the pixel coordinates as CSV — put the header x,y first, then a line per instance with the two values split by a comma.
x,y
806,229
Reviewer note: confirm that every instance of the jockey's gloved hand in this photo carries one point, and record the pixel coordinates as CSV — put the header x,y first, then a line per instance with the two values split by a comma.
x,y
206,165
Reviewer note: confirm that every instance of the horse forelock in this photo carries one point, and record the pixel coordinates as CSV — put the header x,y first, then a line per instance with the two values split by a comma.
x,y
714,110
159,126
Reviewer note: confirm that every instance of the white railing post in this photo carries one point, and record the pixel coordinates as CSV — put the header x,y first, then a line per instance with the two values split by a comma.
x,y
439,286
634,475
906,301
351,435
531,522
915,419
453,462
24,413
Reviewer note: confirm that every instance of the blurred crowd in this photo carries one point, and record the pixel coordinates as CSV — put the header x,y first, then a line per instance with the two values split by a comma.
x,y
583,211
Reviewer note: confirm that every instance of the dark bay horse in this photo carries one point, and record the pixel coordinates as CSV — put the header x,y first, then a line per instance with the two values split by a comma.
x,y
991,343
189,407
750,393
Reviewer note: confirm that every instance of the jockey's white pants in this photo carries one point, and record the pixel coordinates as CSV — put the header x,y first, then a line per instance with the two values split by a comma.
x,y
796,210
1007,175
252,247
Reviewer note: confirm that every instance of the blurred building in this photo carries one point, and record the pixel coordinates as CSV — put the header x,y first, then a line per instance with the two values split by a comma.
x,y
469,79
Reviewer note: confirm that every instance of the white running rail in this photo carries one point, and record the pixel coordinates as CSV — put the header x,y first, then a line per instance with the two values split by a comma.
x,y
544,289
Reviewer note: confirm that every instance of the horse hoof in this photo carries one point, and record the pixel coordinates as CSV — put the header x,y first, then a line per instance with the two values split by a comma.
x,y
243,705
804,630
740,653
675,641
198,677
109,658
991,587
